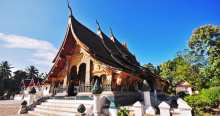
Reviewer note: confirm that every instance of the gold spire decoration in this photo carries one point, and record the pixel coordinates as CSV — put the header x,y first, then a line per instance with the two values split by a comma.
x,y
125,45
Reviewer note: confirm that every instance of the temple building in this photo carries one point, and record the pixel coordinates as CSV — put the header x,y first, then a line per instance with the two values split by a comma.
x,y
27,84
85,56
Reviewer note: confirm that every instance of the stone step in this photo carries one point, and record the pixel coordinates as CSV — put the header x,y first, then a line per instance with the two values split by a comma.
x,y
37,113
65,104
61,108
56,112
70,101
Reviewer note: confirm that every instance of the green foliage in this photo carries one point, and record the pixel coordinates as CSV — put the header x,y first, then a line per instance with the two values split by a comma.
x,y
185,66
205,41
123,112
171,95
156,70
208,98
149,66
196,102
41,76
32,72
5,73
181,94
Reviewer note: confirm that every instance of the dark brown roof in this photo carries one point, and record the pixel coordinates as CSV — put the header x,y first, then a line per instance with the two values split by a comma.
x,y
123,51
108,43
90,39
110,46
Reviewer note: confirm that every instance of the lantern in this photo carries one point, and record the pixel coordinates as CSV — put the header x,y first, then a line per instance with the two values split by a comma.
x,y
118,81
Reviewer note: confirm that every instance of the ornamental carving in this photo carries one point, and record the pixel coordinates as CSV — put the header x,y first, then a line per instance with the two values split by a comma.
x,y
75,60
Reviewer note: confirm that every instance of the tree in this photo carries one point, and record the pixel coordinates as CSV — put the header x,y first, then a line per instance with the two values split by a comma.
x,y
41,76
168,71
189,68
157,70
149,66
5,72
18,76
205,41
32,71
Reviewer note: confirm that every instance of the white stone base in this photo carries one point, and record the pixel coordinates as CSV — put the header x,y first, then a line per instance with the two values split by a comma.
x,y
150,110
62,94
22,110
84,94
112,112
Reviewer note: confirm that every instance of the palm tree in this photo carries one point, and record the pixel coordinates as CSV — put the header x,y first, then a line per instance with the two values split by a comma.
x,y
5,71
32,71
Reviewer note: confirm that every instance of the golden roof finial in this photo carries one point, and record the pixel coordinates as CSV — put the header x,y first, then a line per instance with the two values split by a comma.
x,y
125,45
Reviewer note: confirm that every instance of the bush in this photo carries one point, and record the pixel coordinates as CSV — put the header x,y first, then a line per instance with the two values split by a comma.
x,y
123,112
208,98
171,95
181,94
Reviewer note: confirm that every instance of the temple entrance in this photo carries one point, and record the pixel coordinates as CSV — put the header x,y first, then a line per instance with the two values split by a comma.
x,y
151,83
81,77
74,84
94,79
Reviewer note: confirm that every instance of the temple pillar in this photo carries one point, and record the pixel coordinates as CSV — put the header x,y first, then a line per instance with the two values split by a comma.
x,y
109,78
66,79
88,72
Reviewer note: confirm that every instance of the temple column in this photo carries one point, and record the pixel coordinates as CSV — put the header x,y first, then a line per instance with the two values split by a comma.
x,y
66,78
88,72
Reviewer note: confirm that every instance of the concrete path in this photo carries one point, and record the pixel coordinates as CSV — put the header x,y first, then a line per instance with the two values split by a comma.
x,y
10,108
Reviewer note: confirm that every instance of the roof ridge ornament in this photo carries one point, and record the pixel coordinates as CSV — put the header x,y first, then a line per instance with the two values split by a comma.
x,y
111,31
69,8
97,24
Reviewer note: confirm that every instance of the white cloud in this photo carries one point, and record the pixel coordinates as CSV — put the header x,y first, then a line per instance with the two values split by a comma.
x,y
45,51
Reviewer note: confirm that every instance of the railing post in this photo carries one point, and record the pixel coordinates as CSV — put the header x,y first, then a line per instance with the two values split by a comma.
x,y
164,109
138,109
149,109
185,109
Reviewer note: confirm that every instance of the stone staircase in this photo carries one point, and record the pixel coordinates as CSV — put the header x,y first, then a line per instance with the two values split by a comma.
x,y
59,107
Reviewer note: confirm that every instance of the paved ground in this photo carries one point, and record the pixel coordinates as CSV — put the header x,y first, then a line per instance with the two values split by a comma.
x,y
10,108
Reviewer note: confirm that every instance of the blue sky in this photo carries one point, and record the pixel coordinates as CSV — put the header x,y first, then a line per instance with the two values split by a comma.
x,y
32,31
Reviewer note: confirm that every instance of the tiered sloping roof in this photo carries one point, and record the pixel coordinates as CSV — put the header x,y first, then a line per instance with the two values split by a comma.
x,y
31,82
109,52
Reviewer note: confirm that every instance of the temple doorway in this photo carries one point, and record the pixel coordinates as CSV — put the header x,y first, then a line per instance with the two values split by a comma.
x,y
81,77
74,83
94,79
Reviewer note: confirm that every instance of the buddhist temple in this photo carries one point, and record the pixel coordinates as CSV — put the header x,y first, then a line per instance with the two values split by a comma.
x,y
26,84
86,56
